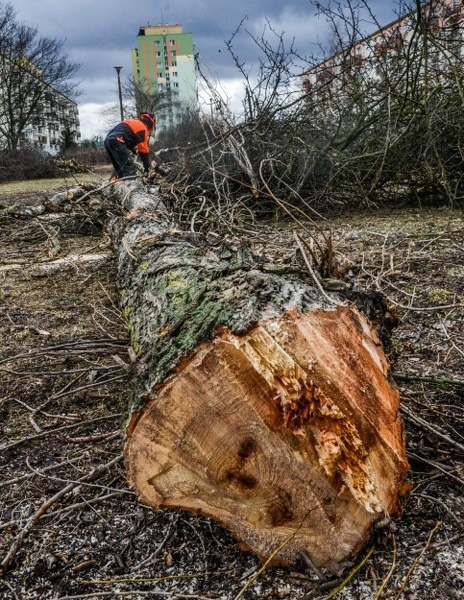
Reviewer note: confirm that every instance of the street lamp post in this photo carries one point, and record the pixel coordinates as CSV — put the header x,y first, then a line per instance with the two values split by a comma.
x,y
118,71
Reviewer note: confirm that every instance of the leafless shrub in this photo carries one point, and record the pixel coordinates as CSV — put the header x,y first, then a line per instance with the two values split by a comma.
x,y
17,165
90,154
362,134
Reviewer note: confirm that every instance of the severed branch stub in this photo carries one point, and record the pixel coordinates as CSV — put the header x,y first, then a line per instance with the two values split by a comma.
x,y
257,402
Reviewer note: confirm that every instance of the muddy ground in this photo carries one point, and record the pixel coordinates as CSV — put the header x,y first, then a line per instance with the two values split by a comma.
x,y
71,528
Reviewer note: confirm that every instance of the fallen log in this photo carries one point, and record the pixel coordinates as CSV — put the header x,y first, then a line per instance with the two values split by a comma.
x,y
259,401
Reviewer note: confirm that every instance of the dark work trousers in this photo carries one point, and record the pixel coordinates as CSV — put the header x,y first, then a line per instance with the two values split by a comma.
x,y
121,157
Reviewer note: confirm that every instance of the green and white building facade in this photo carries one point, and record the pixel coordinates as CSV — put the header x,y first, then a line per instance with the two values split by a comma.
x,y
163,63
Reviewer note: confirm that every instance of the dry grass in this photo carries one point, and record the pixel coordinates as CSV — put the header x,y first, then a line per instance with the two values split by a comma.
x,y
45,185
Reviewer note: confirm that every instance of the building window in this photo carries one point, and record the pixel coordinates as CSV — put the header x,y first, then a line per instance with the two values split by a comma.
x,y
175,84
173,53
158,54
157,42
159,65
174,63
160,75
174,73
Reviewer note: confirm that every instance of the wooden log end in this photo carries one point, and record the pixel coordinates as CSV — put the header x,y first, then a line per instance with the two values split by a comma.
x,y
289,436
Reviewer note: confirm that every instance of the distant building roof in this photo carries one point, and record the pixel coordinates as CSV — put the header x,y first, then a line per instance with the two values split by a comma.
x,y
160,29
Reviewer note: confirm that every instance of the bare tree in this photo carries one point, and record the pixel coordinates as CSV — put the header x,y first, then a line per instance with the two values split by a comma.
x,y
31,67
138,98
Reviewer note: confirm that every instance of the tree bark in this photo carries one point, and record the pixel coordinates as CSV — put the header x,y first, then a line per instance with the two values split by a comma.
x,y
258,401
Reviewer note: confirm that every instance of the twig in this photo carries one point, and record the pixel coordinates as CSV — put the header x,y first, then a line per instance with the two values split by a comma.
x,y
100,188
88,386
274,553
307,560
456,519
436,466
313,274
60,372
172,522
433,429
154,579
389,574
56,430
453,344
263,567
71,507
414,564
350,575
135,594
99,437
46,505
429,379
78,481
62,392
80,345
10,587
87,503
424,308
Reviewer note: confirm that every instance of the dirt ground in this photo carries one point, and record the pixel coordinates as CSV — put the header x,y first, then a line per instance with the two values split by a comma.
x,y
71,528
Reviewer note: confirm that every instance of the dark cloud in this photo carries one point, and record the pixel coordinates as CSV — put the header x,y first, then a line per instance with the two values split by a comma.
x,y
100,33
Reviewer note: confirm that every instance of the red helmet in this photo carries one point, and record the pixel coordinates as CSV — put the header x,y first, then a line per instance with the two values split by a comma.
x,y
149,120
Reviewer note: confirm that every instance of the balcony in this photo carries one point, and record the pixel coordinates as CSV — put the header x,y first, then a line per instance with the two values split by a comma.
x,y
393,43
353,61
325,76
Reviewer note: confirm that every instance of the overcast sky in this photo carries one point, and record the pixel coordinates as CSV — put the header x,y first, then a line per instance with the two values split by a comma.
x,y
99,34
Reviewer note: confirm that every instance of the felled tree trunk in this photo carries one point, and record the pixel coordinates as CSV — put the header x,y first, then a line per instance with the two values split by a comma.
x,y
258,401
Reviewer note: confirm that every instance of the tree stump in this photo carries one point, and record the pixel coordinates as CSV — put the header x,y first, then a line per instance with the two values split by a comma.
x,y
258,401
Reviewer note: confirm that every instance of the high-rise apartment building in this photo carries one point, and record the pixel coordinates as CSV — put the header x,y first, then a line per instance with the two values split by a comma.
x,y
34,114
163,63
55,116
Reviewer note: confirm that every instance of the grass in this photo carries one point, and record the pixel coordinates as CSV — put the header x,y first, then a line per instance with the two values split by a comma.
x,y
44,185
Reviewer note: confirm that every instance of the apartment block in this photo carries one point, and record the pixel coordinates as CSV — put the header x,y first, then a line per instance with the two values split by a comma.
x,y
56,114
163,63
369,58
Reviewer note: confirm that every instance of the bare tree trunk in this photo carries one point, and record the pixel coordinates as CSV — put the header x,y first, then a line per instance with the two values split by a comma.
x,y
258,401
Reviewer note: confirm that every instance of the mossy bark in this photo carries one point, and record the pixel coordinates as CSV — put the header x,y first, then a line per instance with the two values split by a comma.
x,y
178,287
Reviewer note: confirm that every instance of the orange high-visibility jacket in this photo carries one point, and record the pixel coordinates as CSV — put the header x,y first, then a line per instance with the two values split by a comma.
x,y
134,134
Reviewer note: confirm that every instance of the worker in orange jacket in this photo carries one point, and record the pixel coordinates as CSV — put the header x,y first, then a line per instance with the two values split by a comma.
x,y
123,141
